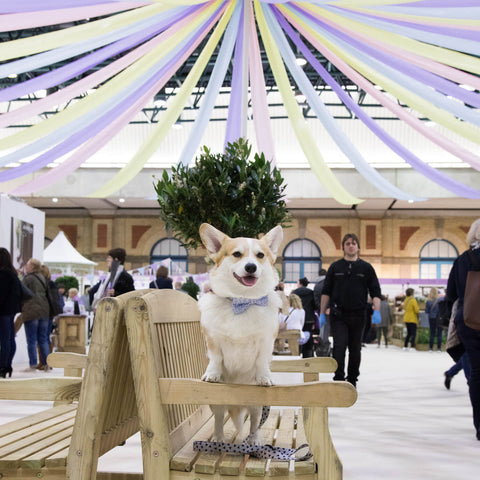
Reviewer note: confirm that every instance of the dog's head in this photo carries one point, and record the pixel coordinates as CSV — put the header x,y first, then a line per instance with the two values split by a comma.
x,y
243,266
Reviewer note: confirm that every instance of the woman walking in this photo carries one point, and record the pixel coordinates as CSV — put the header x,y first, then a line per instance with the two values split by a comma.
x,y
10,305
410,317
36,314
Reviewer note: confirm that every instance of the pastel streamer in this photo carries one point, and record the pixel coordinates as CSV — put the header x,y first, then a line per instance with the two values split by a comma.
x,y
157,136
416,60
451,11
101,139
379,61
457,28
59,38
19,6
68,51
304,136
332,127
234,118
214,84
411,99
122,81
460,44
449,57
445,181
31,19
83,64
85,127
396,109
261,119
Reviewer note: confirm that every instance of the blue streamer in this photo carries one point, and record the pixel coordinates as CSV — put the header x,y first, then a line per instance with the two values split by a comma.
x,y
216,80
68,51
85,120
343,142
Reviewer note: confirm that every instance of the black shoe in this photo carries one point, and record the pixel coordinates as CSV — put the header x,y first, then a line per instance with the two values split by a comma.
x,y
448,381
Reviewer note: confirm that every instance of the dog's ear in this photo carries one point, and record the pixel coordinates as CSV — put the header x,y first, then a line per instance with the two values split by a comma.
x,y
212,238
274,238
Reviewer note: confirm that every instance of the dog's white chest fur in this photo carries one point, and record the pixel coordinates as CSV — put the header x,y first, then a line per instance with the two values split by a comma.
x,y
242,340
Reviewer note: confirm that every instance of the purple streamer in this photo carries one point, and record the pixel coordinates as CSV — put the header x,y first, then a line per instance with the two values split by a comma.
x,y
234,120
433,174
441,30
73,69
417,73
101,122
441,4
20,6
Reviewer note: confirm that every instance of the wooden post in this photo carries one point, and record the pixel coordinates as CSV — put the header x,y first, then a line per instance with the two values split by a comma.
x,y
71,333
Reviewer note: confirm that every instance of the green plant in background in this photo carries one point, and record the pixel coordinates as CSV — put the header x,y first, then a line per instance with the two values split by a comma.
x,y
68,281
240,197
191,288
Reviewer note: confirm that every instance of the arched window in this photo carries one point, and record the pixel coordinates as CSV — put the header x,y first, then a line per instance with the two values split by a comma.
x,y
301,258
436,259
173,249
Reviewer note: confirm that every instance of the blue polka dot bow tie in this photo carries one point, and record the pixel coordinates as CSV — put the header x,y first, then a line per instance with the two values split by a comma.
x,y
241,305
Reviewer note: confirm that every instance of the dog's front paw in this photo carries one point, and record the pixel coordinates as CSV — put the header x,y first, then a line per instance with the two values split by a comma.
x,y
264,380
211,377
253,439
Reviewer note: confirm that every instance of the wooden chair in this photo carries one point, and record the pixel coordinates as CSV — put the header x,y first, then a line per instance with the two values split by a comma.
x,y
169,356
89,416
291,336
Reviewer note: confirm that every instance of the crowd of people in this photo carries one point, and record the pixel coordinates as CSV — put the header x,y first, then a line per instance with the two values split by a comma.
x,y
345,301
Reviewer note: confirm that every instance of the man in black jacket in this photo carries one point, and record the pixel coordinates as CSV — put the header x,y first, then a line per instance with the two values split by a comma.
x,y
347,285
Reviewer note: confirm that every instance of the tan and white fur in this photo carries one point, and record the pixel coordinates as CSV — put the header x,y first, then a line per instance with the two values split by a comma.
x,y
240,345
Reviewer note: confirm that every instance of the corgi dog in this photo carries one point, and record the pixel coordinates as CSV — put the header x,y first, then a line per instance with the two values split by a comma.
x,y
239,316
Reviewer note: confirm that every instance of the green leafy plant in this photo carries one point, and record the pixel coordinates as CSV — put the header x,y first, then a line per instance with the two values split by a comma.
x,y
240,197
68,281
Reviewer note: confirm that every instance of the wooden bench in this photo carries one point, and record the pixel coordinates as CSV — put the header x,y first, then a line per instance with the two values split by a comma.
x,y
292,337
89,416
169,356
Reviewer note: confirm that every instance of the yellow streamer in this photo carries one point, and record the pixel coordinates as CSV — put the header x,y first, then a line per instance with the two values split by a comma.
x,y
157,136
414,101
106,91
304,136
47,41
439,54
453,22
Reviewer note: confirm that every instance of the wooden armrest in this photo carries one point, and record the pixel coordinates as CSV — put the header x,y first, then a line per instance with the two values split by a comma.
x,y
67,360
305,365
47,389
313,394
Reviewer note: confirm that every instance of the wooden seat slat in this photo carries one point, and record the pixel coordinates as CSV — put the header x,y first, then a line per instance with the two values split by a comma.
x,y
208,462
185,457
36,418
307,466
12,460
257,466
234,464
284,439
19,440
39,459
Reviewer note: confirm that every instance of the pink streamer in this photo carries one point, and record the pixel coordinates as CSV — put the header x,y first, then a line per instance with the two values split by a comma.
x,y
422,62
451,147
95,78
20,21
261,118
93,145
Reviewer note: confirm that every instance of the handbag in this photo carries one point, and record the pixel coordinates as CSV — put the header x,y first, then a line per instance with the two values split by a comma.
x,y
471,299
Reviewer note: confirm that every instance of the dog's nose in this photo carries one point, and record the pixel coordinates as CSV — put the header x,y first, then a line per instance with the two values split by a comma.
x,y
250,268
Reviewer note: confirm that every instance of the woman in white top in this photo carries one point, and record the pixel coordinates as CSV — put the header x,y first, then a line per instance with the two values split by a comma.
x,y
295,318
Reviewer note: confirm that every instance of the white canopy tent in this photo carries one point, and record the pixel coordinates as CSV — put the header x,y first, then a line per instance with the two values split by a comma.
x,y
63,259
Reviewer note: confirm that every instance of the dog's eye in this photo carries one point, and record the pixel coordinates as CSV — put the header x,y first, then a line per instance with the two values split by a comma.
x,y
260,255
237,254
